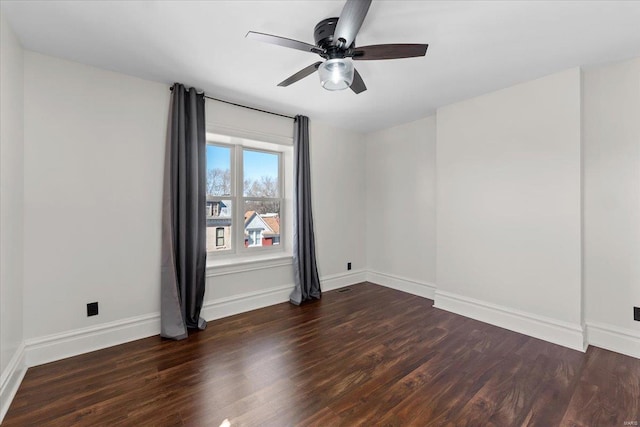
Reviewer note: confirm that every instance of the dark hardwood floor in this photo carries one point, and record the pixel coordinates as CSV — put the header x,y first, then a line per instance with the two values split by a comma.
x,y
371,356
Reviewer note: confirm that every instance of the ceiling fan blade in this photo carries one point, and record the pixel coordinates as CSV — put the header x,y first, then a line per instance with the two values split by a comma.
x,y
300,74
389,51
350,20
357,85
282,41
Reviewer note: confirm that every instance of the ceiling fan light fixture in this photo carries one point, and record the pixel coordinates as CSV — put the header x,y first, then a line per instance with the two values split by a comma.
x,y
336,74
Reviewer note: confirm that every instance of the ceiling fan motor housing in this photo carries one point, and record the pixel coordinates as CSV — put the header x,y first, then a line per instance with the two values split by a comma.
x,y
323,34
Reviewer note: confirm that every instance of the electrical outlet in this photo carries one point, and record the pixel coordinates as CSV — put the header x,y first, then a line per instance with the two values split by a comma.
x,y
348,266
636,313
92,309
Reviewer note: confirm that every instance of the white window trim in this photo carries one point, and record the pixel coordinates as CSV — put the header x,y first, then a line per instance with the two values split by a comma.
x,y
238,254
222,266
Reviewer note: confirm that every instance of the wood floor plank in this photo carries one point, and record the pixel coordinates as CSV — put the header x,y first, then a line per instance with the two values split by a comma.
x,y
608,392
367,357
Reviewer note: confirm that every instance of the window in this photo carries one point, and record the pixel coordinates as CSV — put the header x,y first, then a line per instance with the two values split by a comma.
x,y
245,195
254,238
219,237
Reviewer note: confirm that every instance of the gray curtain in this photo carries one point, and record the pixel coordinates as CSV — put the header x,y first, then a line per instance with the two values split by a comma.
x,y
183,216
304,247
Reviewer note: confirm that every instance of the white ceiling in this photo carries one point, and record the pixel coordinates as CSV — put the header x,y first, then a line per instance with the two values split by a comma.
x,y
475,47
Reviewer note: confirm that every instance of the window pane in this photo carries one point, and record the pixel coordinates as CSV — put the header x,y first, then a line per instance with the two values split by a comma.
x,y
260,174
219,214
218,171
261,223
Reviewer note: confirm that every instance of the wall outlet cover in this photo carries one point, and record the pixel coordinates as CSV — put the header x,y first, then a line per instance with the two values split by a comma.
x,y
92,309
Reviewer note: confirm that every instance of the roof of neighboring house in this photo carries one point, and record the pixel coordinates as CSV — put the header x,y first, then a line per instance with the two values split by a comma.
x,y
212,199
218,222
247,217
273,222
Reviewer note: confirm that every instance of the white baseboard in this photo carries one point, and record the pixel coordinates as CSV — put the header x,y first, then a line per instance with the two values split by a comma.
x,y
340,280
241,303
545,328
10,380
614,338
410,286
79,341
59,346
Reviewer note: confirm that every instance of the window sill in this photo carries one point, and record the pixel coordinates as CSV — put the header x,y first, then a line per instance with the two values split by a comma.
x,y
221,267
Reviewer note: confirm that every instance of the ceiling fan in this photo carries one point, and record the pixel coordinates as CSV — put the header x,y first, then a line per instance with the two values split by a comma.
x,y
335,42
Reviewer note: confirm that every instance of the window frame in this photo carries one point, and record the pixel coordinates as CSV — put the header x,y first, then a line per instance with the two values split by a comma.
x,y
237,147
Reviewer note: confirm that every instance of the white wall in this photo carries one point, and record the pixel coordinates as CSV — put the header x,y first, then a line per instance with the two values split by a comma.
x,y
94,149
338,191
611,141
400,214
509,208
234,120
11,211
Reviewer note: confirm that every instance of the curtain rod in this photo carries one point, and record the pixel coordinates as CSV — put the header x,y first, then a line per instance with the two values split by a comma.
x,y
243,106
250,108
